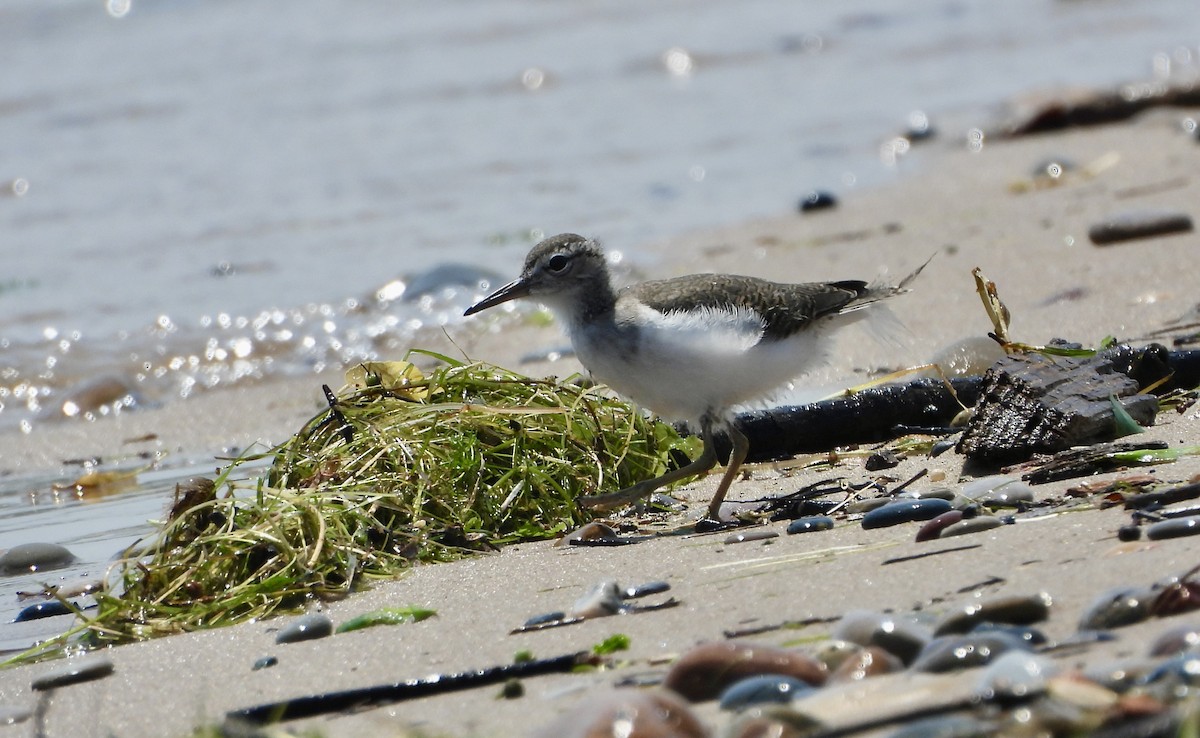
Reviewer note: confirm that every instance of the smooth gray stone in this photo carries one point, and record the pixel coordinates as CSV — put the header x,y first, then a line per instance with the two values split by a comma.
x,y
28,557
306,628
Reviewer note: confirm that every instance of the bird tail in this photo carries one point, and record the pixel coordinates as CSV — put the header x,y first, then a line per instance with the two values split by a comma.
x,y
880,321
881,289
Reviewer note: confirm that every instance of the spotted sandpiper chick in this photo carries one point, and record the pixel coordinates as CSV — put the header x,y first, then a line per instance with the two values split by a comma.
x,y
689,348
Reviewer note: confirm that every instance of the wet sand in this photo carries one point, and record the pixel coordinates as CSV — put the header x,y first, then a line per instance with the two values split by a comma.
x,y
1034,245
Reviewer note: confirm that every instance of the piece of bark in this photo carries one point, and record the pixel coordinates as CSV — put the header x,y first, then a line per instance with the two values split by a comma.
x,y
1034,403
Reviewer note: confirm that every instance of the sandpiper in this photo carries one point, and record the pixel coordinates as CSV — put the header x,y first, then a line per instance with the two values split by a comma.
x,y
689,348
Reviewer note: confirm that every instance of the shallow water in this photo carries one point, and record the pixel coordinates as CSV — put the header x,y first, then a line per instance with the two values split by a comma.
x,y
198,193
93,525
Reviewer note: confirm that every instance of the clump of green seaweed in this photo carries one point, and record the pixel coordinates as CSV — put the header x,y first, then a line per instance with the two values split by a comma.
x,y
403,467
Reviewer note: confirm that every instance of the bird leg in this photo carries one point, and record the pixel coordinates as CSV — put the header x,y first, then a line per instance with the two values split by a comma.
x,y
741,446
705,461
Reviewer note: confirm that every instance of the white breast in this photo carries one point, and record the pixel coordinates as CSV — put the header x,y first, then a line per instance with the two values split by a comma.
x,y
686,364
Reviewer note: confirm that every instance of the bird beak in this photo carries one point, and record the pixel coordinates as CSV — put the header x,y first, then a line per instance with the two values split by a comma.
x,y
511,291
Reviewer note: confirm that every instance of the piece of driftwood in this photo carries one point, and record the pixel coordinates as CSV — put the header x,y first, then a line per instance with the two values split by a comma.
x,y
1034,403
1083,461
889,411
869,416
382,694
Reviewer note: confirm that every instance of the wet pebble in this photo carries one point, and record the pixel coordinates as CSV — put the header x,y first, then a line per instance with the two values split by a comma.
x,y
31,557
858,626
1116,608
904,511
902,637
941,493
951,653
810,524
306,628
708,669
1131,532
1028,635
1076,689
42,610
1015,675
932,530
866,662
1134,224
266,662
834,652
761,689
1176,640
75,671
1017,495
982,486
1119,675
1174,528
1173,596
627,712
972,525
816,200
760,534
998,491
1182,670
1013,610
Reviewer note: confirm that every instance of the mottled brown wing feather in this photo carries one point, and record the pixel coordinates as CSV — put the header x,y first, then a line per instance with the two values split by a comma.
x,y
785,308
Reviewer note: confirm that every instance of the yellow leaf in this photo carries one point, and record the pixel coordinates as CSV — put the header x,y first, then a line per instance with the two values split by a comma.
x,y
390,375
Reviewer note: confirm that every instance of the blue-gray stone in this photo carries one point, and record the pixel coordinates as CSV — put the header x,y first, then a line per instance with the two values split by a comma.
x,y
306,628
905,511
810,524
28,557
764,688
42,610
1174,528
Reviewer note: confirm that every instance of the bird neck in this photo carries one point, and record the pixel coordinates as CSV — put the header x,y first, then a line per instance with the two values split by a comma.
x,y
588,306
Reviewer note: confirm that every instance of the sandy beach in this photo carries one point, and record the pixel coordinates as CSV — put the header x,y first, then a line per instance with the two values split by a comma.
x,y
972,209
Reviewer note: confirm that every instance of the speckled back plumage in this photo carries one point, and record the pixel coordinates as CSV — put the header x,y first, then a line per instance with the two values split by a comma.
x,y
785,308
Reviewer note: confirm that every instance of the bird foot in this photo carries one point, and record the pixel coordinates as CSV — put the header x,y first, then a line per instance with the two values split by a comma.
x,y
620,498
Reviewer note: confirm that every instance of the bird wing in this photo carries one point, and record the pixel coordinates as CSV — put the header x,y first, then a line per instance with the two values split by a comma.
x,y
783,308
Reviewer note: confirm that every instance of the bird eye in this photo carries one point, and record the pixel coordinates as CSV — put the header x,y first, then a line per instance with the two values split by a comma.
x,y
558,263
